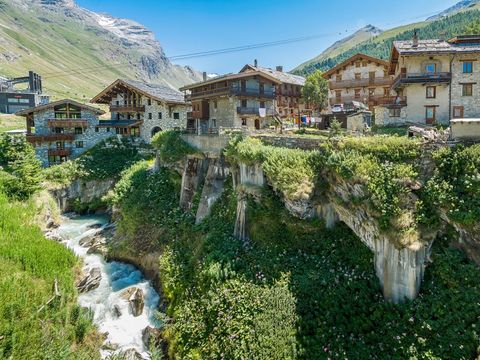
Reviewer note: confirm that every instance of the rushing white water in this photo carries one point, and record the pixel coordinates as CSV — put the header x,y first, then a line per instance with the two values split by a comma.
x,y
126,330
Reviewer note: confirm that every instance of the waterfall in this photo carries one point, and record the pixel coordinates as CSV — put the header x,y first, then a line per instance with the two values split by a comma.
x,y
112,313
240,231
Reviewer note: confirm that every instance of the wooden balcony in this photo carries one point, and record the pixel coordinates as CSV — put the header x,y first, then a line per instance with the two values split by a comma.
x,y
421,78
357,83
59,152
253,111
374,100
119,109
49,138
68,123
242,92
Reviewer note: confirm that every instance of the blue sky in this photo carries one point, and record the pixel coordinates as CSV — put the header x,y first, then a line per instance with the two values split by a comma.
x,y
186,26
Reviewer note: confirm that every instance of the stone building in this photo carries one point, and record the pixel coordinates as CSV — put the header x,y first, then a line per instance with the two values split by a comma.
x,y
438,77
288,94
245,99
141,110
63,130
361,78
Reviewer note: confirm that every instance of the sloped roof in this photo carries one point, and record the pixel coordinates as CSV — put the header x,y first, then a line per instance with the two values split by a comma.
x,y
284,77
59,102
354,58
232,76
155,91
435,46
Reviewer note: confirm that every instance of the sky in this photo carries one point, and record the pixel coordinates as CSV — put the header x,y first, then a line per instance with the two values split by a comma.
x,y
188,26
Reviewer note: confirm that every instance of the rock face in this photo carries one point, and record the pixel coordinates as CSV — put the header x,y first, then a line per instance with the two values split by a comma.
x,y
136,300
217,174
192,180
130,354
151,336
90,281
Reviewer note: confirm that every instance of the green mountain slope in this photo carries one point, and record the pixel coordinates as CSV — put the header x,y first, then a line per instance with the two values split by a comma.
x,y
380,46
343,45
79,52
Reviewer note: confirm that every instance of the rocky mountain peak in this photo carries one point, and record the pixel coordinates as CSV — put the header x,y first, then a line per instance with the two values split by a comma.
x,y
464,4
371,29
64,3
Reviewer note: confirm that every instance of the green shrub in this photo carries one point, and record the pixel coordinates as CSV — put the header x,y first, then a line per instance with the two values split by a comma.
x,y
171,147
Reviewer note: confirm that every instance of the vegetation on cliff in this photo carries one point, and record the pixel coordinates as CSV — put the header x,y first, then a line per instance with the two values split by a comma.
x,y
296,290
31,327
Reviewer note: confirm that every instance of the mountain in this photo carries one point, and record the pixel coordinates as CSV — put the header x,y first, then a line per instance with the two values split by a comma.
x,y
344,44
78,52
460,6
447,25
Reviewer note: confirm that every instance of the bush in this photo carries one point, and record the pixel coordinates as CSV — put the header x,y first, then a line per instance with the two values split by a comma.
x,y
171,147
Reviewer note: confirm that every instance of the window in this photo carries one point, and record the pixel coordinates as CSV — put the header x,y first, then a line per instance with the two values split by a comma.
x,y
108,129
149,102
467,89
357,93
395,112
371,92
78,131
371,75
430,114
59,130
431,68
138,116
214,123
244,122
364,63
467,67
244,103
431,92
358,64
60,144
458,112
338,94
358,76
339,78
149,116
262,104
97,129
79,144
159,103
159,115
176,115
386,91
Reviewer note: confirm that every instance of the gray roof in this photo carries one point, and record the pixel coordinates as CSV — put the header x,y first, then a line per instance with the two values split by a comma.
x,y
434,46
282,76
162,92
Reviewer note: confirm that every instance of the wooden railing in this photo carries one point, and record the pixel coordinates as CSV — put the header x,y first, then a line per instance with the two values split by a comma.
x,y
127,108
351,83
372,100
253,111
67,123
249,92
50,138
60,152
414,78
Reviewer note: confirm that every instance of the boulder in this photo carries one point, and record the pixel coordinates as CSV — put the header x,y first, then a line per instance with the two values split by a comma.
x,y
116,311
90,281
87,241
136,300
54,235
130,354
109,346
151,335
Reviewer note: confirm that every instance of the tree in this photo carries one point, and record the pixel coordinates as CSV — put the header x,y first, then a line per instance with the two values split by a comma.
x,y
315,90
473,28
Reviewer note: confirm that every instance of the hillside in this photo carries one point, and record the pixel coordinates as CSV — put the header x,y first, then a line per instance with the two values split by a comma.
x,y
343,45
380,45
77,51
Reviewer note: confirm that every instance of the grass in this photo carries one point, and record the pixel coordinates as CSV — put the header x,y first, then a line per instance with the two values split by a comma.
x,y
29,267
11,122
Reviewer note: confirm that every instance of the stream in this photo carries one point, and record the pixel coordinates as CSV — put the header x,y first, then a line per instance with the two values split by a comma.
x,y
124,331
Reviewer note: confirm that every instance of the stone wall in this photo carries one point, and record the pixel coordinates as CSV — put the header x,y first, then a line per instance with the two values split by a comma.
x,y
207,143
469,103
291,142
383,118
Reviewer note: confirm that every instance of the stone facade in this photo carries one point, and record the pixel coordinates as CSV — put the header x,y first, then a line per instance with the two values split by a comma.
x,y
56,138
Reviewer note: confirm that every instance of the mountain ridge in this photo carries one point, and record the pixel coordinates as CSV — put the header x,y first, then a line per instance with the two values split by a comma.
x,y
68,44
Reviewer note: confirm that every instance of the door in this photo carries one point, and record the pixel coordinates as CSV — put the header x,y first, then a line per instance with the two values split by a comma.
x,y
458,112
430,114
257,124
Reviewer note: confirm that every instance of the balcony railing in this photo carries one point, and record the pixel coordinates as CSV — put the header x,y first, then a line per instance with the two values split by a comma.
x,y
229,90
67,123
371,100
202,130
421,78
378,81
60,152
127,108
50,138
253,111
190,115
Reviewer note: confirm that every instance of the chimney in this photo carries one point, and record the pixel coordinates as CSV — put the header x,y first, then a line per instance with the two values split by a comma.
x,y
255,63
415,37
280,68
204,76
